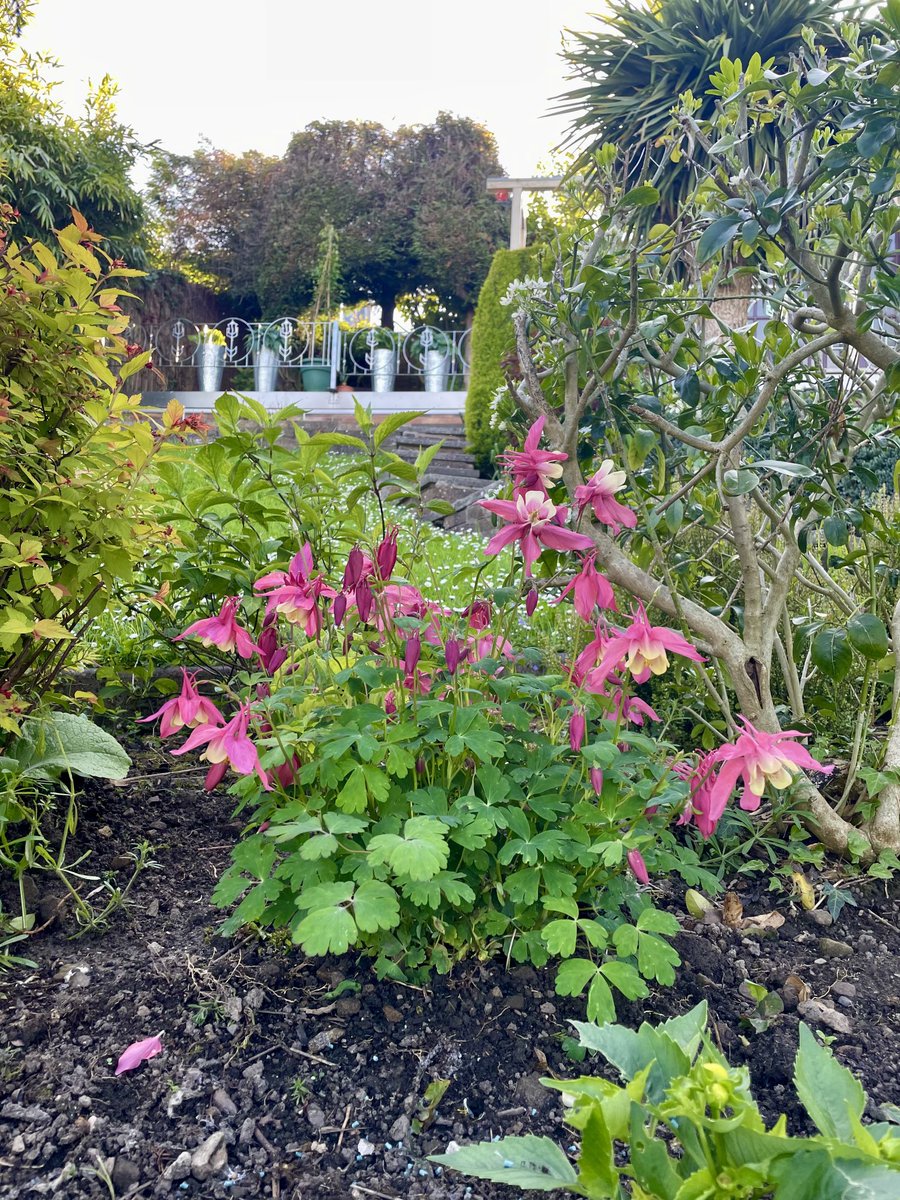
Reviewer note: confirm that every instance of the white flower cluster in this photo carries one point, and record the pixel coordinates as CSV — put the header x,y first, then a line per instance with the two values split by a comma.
x,y
526,293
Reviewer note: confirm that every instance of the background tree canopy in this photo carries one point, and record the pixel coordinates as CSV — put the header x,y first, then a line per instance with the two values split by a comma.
x,y
409,207
51,162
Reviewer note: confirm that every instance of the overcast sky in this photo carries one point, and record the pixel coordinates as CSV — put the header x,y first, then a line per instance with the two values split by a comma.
x,y
246,75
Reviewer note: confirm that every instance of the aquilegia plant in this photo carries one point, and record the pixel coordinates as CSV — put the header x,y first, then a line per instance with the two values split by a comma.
x,y
418,793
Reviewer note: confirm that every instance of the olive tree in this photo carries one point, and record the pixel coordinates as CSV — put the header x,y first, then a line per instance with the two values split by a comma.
x,y
737,442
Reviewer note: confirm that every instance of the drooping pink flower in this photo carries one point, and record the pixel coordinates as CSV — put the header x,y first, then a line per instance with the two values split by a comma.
x,y
705,805
386,555
599,492
577,729
412,651
272,654
138,1052
230,745
591,590
479,613
632,708
533,523
223,631
637,866
642,649
590,656
759,758
296,593
490,645
533,469
186,710
454,653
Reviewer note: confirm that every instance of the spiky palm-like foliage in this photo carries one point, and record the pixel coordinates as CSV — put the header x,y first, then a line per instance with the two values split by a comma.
x,y
629,70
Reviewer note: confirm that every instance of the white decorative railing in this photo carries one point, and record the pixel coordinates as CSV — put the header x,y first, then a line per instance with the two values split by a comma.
x,y
280,349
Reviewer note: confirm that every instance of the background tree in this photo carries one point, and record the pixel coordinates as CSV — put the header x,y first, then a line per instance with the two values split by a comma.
x,y
51,162
208,210
409,209
629,70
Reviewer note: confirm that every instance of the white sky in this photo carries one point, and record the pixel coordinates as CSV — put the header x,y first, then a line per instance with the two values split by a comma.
x,y
247,75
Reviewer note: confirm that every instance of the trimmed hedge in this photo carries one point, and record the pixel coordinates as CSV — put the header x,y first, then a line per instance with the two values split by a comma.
x,y
492,340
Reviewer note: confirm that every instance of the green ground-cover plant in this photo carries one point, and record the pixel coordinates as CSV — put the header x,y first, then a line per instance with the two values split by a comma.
x,y
691,1129
75,514
736,441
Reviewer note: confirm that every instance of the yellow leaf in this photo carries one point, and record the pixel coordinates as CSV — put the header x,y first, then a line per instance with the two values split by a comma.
x,y
50,629
89,696
173,414
804,889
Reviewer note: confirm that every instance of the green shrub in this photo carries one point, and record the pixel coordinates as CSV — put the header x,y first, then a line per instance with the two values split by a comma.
x,y
492,341
73,453
691,1128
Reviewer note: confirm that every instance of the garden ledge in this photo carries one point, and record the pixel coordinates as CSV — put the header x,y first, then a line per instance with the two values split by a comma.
x,y
321,402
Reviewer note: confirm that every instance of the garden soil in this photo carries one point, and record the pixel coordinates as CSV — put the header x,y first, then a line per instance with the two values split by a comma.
x,y
307,1080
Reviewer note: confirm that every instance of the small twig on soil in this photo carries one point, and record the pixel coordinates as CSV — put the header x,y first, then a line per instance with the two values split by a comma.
x,y
890,924
340,1141
306,1054
358,1188
265,1143
158,775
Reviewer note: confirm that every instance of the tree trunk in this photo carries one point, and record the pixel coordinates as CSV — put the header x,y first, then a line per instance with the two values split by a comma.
x,y
388,306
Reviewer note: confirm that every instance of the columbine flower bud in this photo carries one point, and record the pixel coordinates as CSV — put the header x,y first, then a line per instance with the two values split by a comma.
x,y
386,555
364,600
411,653
353,569
339,608
453,653
531,601
577,729
597,780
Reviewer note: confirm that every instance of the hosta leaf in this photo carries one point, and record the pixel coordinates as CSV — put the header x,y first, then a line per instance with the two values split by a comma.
x,y
65,742
524,1162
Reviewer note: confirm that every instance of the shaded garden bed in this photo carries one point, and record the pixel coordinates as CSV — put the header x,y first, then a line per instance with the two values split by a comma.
x,y
304,1079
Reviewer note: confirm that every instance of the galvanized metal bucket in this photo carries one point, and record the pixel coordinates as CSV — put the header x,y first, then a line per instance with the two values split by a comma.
x,y
384,370
265,369
210,362
436,370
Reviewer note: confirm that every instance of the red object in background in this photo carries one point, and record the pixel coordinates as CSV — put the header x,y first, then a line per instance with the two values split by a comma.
x,y
501,196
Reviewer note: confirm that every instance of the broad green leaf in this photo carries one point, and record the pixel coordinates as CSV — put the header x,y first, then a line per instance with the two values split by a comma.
x,y
831,653
524,1162
829,1092
739,483
375,906
791,469
640,197
325,931
868,635
65,742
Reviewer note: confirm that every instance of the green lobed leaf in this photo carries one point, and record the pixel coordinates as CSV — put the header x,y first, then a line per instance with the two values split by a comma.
x,y
525,1162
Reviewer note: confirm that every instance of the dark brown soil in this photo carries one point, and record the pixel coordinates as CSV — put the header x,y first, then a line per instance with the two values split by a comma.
x,y
313,1093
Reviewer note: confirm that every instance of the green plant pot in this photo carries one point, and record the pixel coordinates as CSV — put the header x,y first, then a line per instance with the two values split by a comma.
x,y
316,377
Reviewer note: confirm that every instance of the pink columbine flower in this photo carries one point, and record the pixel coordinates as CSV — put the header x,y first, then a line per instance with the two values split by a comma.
x,y
386,555
759,758
490,645
533,521
599,492
533,469
577,729
295,593
642,648
637,866
186,710
479,613
705,805
272,654
229,745
223,631
591,590
137,1053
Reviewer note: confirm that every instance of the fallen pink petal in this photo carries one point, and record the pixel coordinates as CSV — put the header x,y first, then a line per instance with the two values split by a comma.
x,y
138,1052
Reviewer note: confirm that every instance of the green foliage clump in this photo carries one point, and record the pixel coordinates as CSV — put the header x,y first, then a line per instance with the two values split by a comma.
x,y
691,1128
73,453
50,161
492,341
